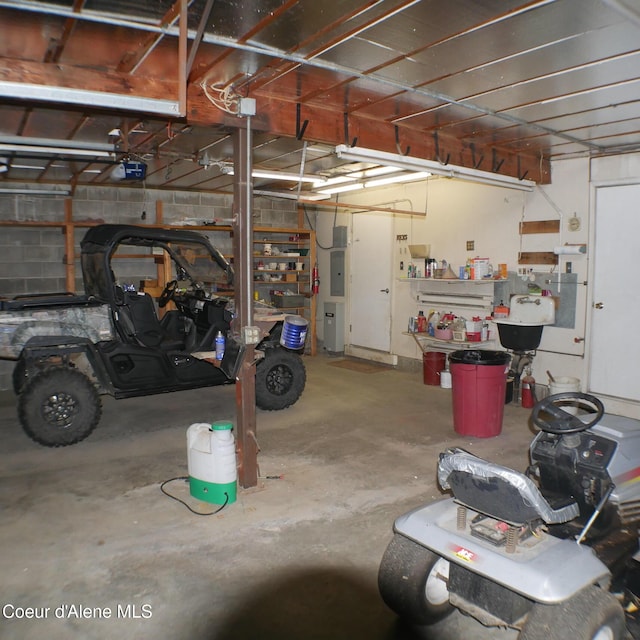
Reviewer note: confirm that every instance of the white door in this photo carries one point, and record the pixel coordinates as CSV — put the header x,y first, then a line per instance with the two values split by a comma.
x,y
615,349
370,292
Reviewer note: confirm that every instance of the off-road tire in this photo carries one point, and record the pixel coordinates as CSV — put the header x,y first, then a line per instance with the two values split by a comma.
x,y
407,576
280,379
59,407
591,614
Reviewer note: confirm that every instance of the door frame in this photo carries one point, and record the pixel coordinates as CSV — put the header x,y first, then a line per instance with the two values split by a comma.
x,y
366,353
614,405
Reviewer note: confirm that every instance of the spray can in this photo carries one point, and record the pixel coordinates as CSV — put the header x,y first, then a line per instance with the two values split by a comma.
x,y
220,344
527,385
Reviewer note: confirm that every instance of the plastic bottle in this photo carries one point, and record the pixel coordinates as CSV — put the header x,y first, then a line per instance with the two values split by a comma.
x,y
484,332
527,385
432,323
220,344
422,322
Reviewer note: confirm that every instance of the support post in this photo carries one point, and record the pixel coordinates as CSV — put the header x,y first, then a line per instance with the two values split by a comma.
x,y
243,265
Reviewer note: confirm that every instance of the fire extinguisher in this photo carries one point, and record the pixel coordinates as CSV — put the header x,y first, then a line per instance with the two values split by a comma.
x,y
315,278
527,385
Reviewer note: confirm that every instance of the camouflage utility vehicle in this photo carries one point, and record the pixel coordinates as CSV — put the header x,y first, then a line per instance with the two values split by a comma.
x,y
71,349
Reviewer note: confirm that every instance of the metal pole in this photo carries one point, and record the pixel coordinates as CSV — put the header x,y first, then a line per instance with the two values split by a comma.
x,y
243,264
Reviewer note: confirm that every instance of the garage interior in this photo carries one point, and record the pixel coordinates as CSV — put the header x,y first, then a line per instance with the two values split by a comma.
x,y
369,133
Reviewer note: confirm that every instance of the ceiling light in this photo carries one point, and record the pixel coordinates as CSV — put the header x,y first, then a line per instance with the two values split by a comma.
x,y
55,151
288,195
37,192
405,177
280,175
372,173
56,142
408,163
337,180
342,189
30,167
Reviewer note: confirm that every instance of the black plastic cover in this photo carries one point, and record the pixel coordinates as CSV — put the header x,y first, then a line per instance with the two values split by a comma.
x,y
479,356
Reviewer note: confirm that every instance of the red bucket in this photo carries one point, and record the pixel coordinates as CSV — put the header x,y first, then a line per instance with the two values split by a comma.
x,y
432,365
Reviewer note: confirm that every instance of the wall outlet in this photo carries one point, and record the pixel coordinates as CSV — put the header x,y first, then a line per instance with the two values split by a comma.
x,y
471,245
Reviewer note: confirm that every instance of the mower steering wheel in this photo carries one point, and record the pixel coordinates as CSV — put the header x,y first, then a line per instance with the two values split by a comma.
x,y
561,422
167,293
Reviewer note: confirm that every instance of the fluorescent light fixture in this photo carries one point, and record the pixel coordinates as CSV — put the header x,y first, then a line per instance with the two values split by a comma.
x,y
337,180
36,192
280,175
405,177
289,195
342,189
56,142
61,151
372,173
377,182
29,167
357,175
408,163
293,177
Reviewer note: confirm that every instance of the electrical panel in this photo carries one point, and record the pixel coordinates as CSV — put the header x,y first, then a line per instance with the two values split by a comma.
x,y
336,283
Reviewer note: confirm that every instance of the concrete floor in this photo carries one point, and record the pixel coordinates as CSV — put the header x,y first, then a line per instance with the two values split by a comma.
x,y
297,558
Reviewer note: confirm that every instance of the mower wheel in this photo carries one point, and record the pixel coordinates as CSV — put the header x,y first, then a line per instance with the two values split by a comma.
x,y
592,614
413,582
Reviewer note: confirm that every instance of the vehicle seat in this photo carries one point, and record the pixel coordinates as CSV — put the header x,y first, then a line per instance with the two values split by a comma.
x,y
497,491
140,322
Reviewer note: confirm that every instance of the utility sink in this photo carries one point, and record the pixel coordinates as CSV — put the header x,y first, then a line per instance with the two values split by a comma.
x,y
522,330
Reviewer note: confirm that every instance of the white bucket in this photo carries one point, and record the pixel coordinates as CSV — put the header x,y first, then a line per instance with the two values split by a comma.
x,y
211,456
564,384
445,379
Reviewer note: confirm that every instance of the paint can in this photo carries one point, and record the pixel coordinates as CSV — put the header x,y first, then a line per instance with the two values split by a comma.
x,y
294,332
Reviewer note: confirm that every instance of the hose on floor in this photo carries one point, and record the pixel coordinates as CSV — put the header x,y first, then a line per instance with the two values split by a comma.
x,y
186,479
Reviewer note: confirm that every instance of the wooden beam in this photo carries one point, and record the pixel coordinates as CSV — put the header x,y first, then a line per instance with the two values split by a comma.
x,y
278,117
68,77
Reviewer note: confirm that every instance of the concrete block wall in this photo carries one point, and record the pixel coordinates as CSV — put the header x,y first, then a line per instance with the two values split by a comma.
x,y
32,258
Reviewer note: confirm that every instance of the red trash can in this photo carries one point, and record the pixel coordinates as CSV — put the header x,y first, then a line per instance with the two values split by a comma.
x,y
433,362
479,381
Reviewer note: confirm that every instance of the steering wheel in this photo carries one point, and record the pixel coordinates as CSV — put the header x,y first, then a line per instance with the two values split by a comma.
x,y
557,420
167,293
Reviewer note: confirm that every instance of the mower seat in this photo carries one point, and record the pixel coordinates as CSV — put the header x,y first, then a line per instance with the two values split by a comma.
x,y
499,492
